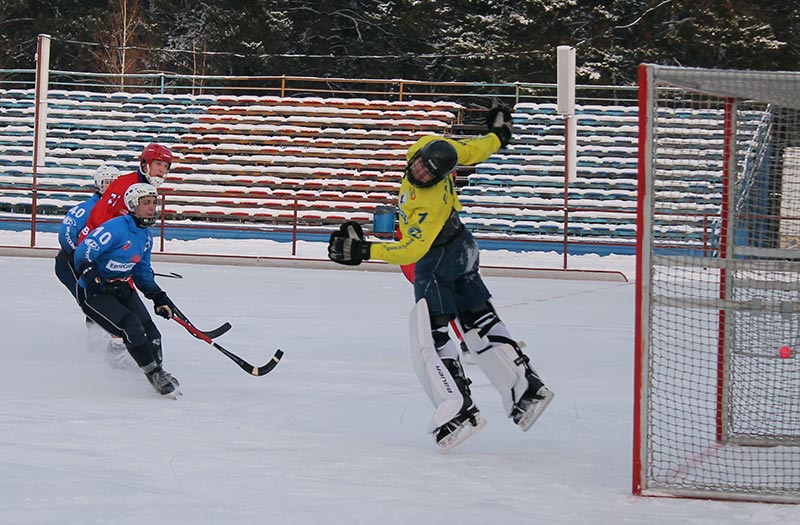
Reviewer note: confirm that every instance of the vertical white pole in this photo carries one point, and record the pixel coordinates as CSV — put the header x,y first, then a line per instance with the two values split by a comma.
x,y
566,107
565,70
40,120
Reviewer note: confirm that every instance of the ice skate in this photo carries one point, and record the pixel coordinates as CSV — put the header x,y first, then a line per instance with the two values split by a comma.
x,y
467,421
164,383
172,379
532,403
458,429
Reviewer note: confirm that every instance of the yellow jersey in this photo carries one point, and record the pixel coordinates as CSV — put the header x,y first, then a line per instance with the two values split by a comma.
x,y
424,211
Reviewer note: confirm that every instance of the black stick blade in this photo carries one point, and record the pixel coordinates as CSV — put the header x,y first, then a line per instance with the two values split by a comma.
x,y
200,334
171,275
269,366
216,332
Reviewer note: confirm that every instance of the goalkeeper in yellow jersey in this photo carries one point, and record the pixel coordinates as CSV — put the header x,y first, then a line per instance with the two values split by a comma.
x,y
448,285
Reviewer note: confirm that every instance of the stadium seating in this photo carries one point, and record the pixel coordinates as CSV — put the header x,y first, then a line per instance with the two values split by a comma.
x,y
275,160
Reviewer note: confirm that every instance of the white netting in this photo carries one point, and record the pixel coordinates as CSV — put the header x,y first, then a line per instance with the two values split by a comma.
x,y
721,286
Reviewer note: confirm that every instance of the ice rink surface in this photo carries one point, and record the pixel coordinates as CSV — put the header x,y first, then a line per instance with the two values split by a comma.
x,y
336,433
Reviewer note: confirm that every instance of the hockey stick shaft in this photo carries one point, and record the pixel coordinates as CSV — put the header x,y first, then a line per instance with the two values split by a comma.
x,y
171,275
244,365
211,334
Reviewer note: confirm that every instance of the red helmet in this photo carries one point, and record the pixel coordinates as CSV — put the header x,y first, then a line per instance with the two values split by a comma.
x,y
155,152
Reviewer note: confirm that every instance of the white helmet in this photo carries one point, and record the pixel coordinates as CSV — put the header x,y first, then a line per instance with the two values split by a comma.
x,y
134,194
104,176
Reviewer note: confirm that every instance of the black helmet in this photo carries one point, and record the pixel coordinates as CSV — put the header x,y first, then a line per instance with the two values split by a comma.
x,y
432,163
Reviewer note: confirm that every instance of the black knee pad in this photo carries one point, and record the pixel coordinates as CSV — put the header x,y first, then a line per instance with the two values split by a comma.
x,y
440,338
438,321
485,317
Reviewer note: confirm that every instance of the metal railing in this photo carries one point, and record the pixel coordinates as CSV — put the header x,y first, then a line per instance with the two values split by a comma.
x,y
296,86
295,226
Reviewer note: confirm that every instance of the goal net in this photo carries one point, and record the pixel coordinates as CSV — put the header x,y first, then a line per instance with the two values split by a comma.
x,y
717,385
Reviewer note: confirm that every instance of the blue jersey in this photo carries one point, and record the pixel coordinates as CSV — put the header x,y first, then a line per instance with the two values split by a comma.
x,y
120,249
74,222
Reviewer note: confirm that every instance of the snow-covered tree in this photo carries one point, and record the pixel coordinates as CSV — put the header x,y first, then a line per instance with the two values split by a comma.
x,y
435,40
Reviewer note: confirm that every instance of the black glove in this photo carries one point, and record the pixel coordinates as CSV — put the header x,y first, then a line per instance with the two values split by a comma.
x,y
347,245
162,305
92,281
499,122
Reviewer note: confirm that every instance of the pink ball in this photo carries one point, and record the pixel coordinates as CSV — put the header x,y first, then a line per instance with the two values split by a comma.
x,y
785,352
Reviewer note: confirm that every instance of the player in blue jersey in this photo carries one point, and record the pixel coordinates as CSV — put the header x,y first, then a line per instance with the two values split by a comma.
x,y
68,234
110,260
71,227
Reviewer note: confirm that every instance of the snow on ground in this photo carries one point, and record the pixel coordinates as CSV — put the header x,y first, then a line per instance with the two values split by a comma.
x,y
336,433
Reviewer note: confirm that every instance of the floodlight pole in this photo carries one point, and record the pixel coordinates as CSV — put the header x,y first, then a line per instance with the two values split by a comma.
x,y
566,107
39,121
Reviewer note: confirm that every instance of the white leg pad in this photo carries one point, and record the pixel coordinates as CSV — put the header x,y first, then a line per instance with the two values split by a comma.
x,y
434,377
498,363
475,343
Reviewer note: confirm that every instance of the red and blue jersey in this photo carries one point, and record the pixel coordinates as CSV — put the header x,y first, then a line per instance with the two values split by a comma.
x,y
112,203
73,222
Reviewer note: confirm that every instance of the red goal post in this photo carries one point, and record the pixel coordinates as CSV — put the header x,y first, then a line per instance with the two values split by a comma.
x,y
717,368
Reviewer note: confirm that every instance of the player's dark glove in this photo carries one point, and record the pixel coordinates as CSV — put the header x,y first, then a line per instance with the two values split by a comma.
x,y
499,122
92,281
162,305
347,245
